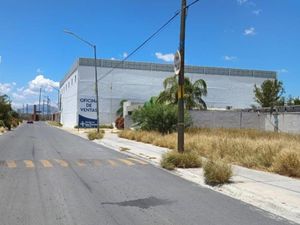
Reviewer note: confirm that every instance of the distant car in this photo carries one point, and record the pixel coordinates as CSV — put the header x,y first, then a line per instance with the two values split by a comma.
x,y
29,121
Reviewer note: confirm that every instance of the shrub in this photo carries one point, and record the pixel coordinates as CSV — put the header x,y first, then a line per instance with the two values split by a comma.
x,y
154,116
287,163
9,117
2,129
120,123
248,148
107,126
92,135
174,159
55,123
217,172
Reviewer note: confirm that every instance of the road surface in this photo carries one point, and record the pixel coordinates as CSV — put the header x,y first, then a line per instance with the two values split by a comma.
x,y
50,177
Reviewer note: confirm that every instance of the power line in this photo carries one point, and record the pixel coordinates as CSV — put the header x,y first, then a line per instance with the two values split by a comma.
x,y
143,43
148,39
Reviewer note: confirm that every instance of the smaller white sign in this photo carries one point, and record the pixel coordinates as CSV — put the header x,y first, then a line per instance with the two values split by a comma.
x,y
177,62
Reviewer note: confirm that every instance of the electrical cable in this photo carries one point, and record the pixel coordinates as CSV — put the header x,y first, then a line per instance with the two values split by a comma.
x,y
144,42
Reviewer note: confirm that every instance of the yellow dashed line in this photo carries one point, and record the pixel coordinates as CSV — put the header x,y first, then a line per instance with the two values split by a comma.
x,y
112,163
61,162
80,163
11,164
96,162
127,162
46,163
29,163
139,161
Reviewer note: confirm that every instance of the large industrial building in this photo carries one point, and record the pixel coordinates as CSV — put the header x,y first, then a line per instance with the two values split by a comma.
x,y
138,81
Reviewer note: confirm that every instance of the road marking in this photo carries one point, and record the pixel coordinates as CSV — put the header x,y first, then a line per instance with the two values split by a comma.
x,y
80,163
46,163
29,163
61,162
11,164
139,161
112,163
127,162
96,162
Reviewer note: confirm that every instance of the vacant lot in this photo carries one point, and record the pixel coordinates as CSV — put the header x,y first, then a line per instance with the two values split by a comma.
x,y
268,151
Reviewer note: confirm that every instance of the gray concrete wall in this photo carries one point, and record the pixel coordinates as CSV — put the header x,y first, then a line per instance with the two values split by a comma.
x,y
127,122
287,122
227,119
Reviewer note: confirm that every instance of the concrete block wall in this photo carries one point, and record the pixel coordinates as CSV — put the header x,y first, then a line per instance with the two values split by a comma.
x,y
287,122
227,119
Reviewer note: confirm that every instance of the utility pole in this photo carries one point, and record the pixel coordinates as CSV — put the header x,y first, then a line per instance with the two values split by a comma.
x,y
180,126
40,100
43,109
96,87
48,107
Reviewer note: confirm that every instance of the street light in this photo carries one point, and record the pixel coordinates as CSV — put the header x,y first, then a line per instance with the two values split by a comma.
x,y
96,76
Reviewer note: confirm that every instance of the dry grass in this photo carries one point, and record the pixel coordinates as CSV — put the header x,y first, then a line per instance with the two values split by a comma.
x,y
287,163
174,159
92,135
124,149
2,129
217,172
248,148
55,123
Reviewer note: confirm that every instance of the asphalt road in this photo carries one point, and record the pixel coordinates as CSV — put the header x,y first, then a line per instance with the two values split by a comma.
x,y
50,177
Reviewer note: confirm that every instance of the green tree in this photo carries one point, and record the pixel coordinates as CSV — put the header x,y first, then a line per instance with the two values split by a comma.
x,y
5,111
297,101
159,117
193,93
293,101
120,109
269,93
8,116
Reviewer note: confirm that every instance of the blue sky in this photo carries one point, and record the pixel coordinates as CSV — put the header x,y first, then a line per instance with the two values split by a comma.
x,y
252,34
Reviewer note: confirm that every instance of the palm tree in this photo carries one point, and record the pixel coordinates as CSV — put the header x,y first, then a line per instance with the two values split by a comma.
x,y
120,109
193,93
269,93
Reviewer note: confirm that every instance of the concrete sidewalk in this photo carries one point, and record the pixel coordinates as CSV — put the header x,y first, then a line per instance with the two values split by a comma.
x,y
277,194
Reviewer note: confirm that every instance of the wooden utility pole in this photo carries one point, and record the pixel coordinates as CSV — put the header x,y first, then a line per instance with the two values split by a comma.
x,y
180,128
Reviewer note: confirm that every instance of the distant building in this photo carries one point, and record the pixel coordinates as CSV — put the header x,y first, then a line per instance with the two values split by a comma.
x,y
138,81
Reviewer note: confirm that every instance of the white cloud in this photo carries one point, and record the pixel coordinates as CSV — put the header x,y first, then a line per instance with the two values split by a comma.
x,y
112,58
250,31
246,2
41,82
257,12
29,94
165,57
242,2
283,71
5,88
229,58
125,54
17,96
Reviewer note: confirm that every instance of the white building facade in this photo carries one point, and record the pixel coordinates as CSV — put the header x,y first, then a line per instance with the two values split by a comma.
x,y
138,81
